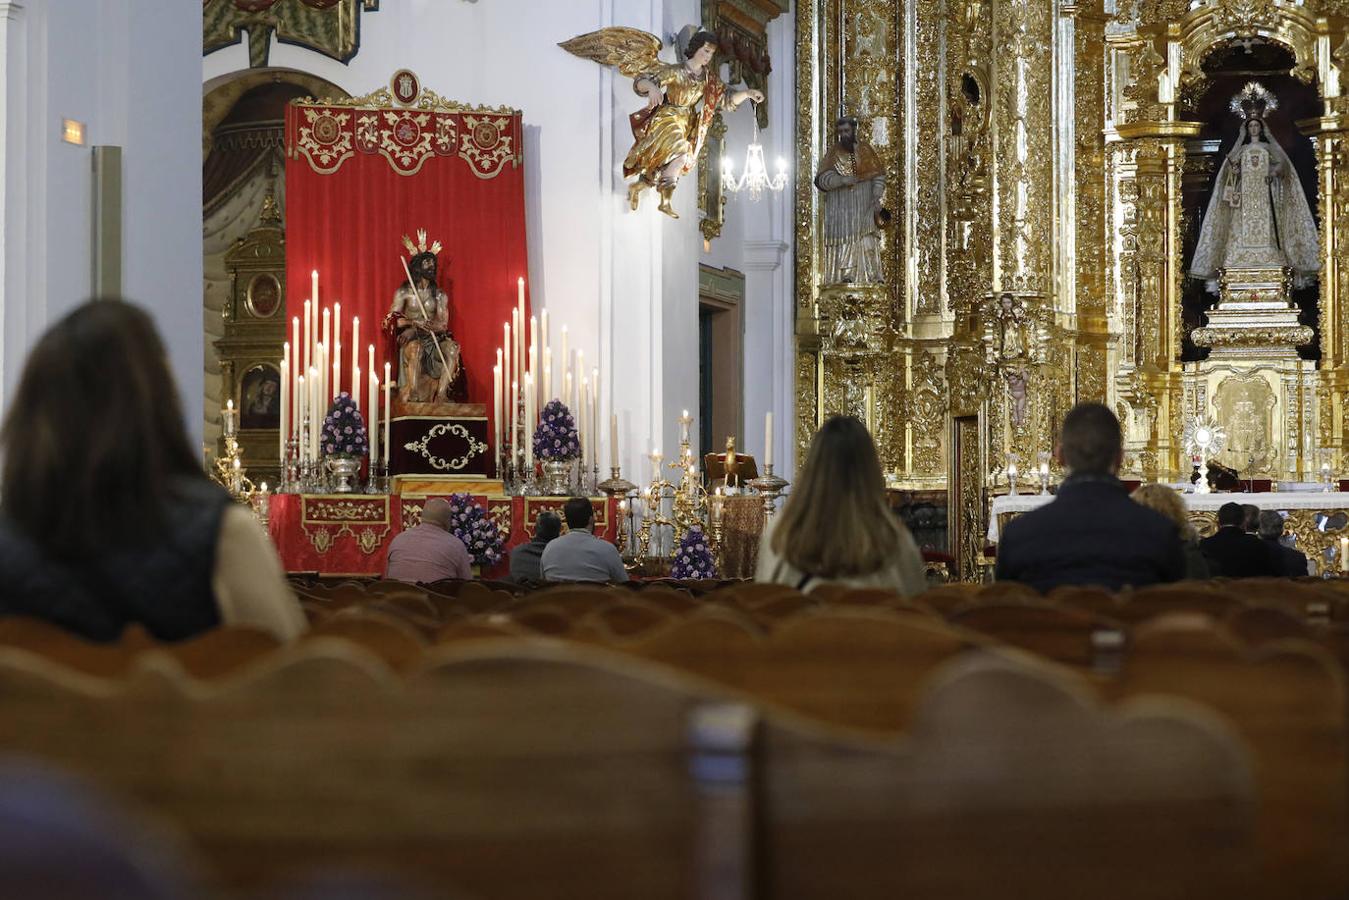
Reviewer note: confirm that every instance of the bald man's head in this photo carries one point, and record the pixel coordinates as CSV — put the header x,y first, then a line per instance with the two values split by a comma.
x,y
436,512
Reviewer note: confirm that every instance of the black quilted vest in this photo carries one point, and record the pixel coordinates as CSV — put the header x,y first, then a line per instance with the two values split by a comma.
x,y
164,584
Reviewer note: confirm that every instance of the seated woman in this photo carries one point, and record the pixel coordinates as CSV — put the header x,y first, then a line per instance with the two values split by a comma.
x,y
1164,499
836,526
106,516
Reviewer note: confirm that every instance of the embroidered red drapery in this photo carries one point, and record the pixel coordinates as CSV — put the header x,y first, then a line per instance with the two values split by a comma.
x,y
361,174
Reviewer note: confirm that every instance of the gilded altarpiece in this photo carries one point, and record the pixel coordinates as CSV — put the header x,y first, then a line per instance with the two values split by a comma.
x,y
1035,158
995,172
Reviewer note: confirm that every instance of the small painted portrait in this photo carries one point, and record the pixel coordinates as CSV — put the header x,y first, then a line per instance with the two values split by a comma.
x,y
260,398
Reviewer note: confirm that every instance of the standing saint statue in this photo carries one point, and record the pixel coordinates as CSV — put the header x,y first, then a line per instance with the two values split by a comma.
x,y
1258,216
853,181
429,368
681,101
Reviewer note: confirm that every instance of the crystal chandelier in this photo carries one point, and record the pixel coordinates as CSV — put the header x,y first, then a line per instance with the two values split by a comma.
x,y
755,178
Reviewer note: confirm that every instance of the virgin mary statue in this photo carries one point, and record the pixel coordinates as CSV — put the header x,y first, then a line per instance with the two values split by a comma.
x,y
1258,217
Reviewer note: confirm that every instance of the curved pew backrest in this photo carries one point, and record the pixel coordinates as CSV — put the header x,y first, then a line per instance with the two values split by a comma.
x,y
1287,700
1013,782
1059,633
398,644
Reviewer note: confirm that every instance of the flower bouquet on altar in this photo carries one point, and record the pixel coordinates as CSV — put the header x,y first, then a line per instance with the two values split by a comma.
x,y
344,441
693,558
556,446
471,524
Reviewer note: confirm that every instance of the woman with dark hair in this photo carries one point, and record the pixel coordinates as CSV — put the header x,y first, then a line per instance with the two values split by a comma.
x,y
836,526
106,516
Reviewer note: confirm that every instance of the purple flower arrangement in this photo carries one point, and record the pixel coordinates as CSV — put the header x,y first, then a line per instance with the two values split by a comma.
x,y
471,524
693,558
344,429
555,438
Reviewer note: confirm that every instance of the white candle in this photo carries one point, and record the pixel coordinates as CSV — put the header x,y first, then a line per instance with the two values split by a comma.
x,y
301,410
356,358
768,439
496,410
314,288
283,431
356,398
314,417
566,366
328,346
580,373
545,356
529,422
336,347
566,389
505,354
583,432
514,416
517,373
1344,554
594,426
372,427
295,370
613,440
520,328
388,413
308,337
533,355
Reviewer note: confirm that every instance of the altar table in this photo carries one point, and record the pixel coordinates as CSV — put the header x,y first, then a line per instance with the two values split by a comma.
x,y
349,534
1316,519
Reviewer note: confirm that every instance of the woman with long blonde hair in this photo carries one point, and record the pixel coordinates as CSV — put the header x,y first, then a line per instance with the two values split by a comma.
x,y
836,525
1163,499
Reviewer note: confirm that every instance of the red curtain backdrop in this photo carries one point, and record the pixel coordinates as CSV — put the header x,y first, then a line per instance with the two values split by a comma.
x,y
359,178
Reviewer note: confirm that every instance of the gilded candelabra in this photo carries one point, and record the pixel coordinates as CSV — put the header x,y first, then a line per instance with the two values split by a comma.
x,y
618,486
654,496
229,470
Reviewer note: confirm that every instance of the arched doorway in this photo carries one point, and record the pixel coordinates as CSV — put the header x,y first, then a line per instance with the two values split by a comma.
x,y
243,137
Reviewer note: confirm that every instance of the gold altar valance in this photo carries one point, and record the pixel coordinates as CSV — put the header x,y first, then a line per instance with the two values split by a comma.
x,y
407,125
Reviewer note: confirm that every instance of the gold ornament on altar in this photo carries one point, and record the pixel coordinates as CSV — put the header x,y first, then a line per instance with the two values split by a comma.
x,y
682,100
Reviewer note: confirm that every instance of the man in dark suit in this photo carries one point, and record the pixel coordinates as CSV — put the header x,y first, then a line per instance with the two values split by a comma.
x,y
1291,562
1091,533
1233,553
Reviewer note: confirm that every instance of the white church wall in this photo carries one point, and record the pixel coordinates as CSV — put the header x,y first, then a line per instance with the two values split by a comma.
x,y
128,73
624,282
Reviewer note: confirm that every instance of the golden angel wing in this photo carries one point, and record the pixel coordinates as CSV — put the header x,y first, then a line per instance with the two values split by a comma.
x,y
631,50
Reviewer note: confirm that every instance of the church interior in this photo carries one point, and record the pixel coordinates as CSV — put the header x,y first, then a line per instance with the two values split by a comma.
x,y
721,449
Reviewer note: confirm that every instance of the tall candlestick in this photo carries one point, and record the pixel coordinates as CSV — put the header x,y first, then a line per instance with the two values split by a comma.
x,y
545,357
335,347
517,373
328,348
314,288
295,370
582,431
529,422
566,366
356,398
388,413
506,370
308,337
355,356
283,431
496,411
613,440
373,399
520,330
514,416
595,418
768,439
580,373
301,411
534,356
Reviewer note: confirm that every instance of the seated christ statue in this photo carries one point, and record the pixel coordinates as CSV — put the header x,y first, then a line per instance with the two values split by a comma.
x,y
429,368
853,180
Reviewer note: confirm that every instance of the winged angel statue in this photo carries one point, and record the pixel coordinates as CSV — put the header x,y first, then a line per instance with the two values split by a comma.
x,y
681,101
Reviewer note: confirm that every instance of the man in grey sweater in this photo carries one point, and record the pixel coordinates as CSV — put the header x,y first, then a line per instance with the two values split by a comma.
x,y
578,555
